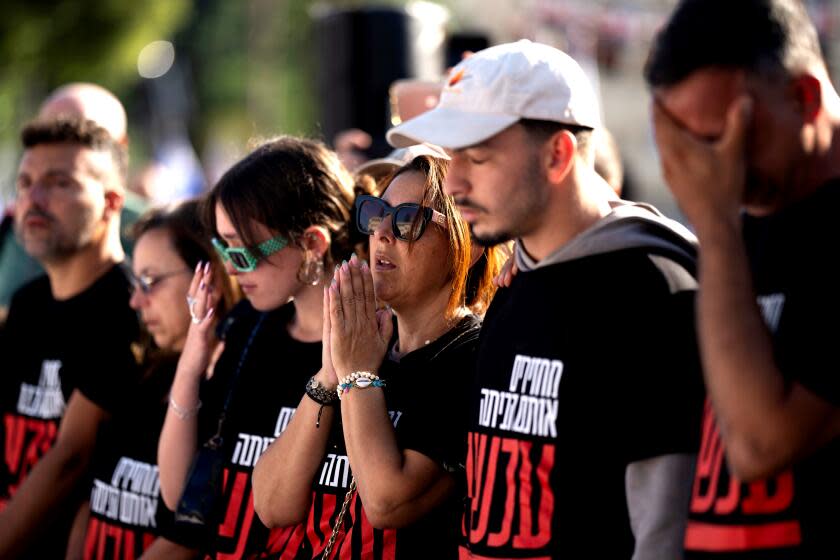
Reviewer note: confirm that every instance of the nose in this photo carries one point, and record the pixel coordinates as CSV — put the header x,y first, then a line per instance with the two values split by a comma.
x,y
137,299
455,184
229,269
35,195
384,231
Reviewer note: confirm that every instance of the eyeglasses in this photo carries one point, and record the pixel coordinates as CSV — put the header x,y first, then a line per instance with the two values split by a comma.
x,y
147,282
242,258
370,211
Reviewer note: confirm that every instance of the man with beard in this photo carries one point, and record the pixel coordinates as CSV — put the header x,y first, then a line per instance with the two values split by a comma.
x,y
67,360
747,127
580,445
74,100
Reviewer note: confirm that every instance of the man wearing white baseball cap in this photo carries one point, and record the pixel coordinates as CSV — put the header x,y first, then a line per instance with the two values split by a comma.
x,y
580,443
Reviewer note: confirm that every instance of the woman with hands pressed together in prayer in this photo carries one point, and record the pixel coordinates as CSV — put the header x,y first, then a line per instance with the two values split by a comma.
x,y
379,473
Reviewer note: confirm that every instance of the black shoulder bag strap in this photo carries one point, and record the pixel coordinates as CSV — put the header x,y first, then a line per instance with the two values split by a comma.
x,y
200,502
216,440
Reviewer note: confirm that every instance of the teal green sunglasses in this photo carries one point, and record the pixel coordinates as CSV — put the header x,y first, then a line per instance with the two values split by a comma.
x,y
242,258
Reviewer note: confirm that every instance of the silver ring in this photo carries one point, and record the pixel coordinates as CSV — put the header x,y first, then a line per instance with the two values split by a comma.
x,y
196,320
190,301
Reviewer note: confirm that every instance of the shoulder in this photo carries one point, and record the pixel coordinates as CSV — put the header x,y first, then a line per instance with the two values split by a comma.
x,y
34,291
460,343
649,272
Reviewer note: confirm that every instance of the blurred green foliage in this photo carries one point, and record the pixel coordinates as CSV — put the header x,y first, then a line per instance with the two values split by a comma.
x,y
248,65
44,43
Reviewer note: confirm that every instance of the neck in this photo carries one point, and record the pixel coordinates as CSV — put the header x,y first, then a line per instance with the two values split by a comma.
x,y
423,322
70,277
308,322
572,208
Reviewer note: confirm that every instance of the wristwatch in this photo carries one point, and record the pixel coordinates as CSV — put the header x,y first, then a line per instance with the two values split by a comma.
x,y
319,393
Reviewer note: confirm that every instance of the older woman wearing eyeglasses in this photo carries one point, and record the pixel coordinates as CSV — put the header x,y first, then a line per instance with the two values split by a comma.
x,y
170,244
379,473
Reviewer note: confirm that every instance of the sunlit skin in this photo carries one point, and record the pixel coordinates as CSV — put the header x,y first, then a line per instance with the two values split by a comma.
x,y
406,277
274,282
496,186
773,144
163,310
60,206
87,101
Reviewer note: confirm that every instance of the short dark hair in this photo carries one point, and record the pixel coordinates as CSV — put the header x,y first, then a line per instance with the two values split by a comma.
x,y
73,130
541,130
288,184
760,36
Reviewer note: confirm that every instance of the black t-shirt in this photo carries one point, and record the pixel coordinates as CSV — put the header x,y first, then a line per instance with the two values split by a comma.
x,y
51,348
425,400
575,382
126,511
269,387
793,515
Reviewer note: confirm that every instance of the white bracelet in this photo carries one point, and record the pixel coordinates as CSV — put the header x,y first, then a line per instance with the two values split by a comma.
x,y
359,380
183,413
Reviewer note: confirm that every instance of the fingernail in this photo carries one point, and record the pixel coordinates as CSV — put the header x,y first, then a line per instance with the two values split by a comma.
x,y
345,267
207,267
210,312
365,265
201,285
332,284
198,266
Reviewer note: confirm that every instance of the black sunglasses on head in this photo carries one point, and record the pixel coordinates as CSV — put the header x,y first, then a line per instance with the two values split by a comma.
x,y
370,211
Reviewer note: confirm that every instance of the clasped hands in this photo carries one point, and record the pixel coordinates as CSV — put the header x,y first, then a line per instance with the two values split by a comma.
x,y
355,333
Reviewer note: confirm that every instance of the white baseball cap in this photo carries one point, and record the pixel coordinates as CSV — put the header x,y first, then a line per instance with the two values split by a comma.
x,y
399,157
495,88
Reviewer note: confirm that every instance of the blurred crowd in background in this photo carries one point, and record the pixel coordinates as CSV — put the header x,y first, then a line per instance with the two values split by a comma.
x,y
200,78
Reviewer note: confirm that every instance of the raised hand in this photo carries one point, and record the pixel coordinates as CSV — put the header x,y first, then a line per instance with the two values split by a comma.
x,y
708,178
201,300
359,336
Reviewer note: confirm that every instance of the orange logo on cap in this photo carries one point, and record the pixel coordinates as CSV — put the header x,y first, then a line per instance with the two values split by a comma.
x,y
457,77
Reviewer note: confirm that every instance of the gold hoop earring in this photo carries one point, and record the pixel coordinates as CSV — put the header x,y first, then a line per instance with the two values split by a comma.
x,y
311,270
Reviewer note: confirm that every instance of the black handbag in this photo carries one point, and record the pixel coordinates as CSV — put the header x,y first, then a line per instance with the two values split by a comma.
x,y
201,502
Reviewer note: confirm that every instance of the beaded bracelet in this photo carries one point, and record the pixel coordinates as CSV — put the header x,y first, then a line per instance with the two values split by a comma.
x,y
359,380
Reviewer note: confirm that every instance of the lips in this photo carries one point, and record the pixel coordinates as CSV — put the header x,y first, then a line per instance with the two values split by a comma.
x,y
383,263
36,221
468,214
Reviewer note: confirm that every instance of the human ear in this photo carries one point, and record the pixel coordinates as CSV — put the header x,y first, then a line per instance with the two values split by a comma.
x,y
562,149
113,202
316,239
807,92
